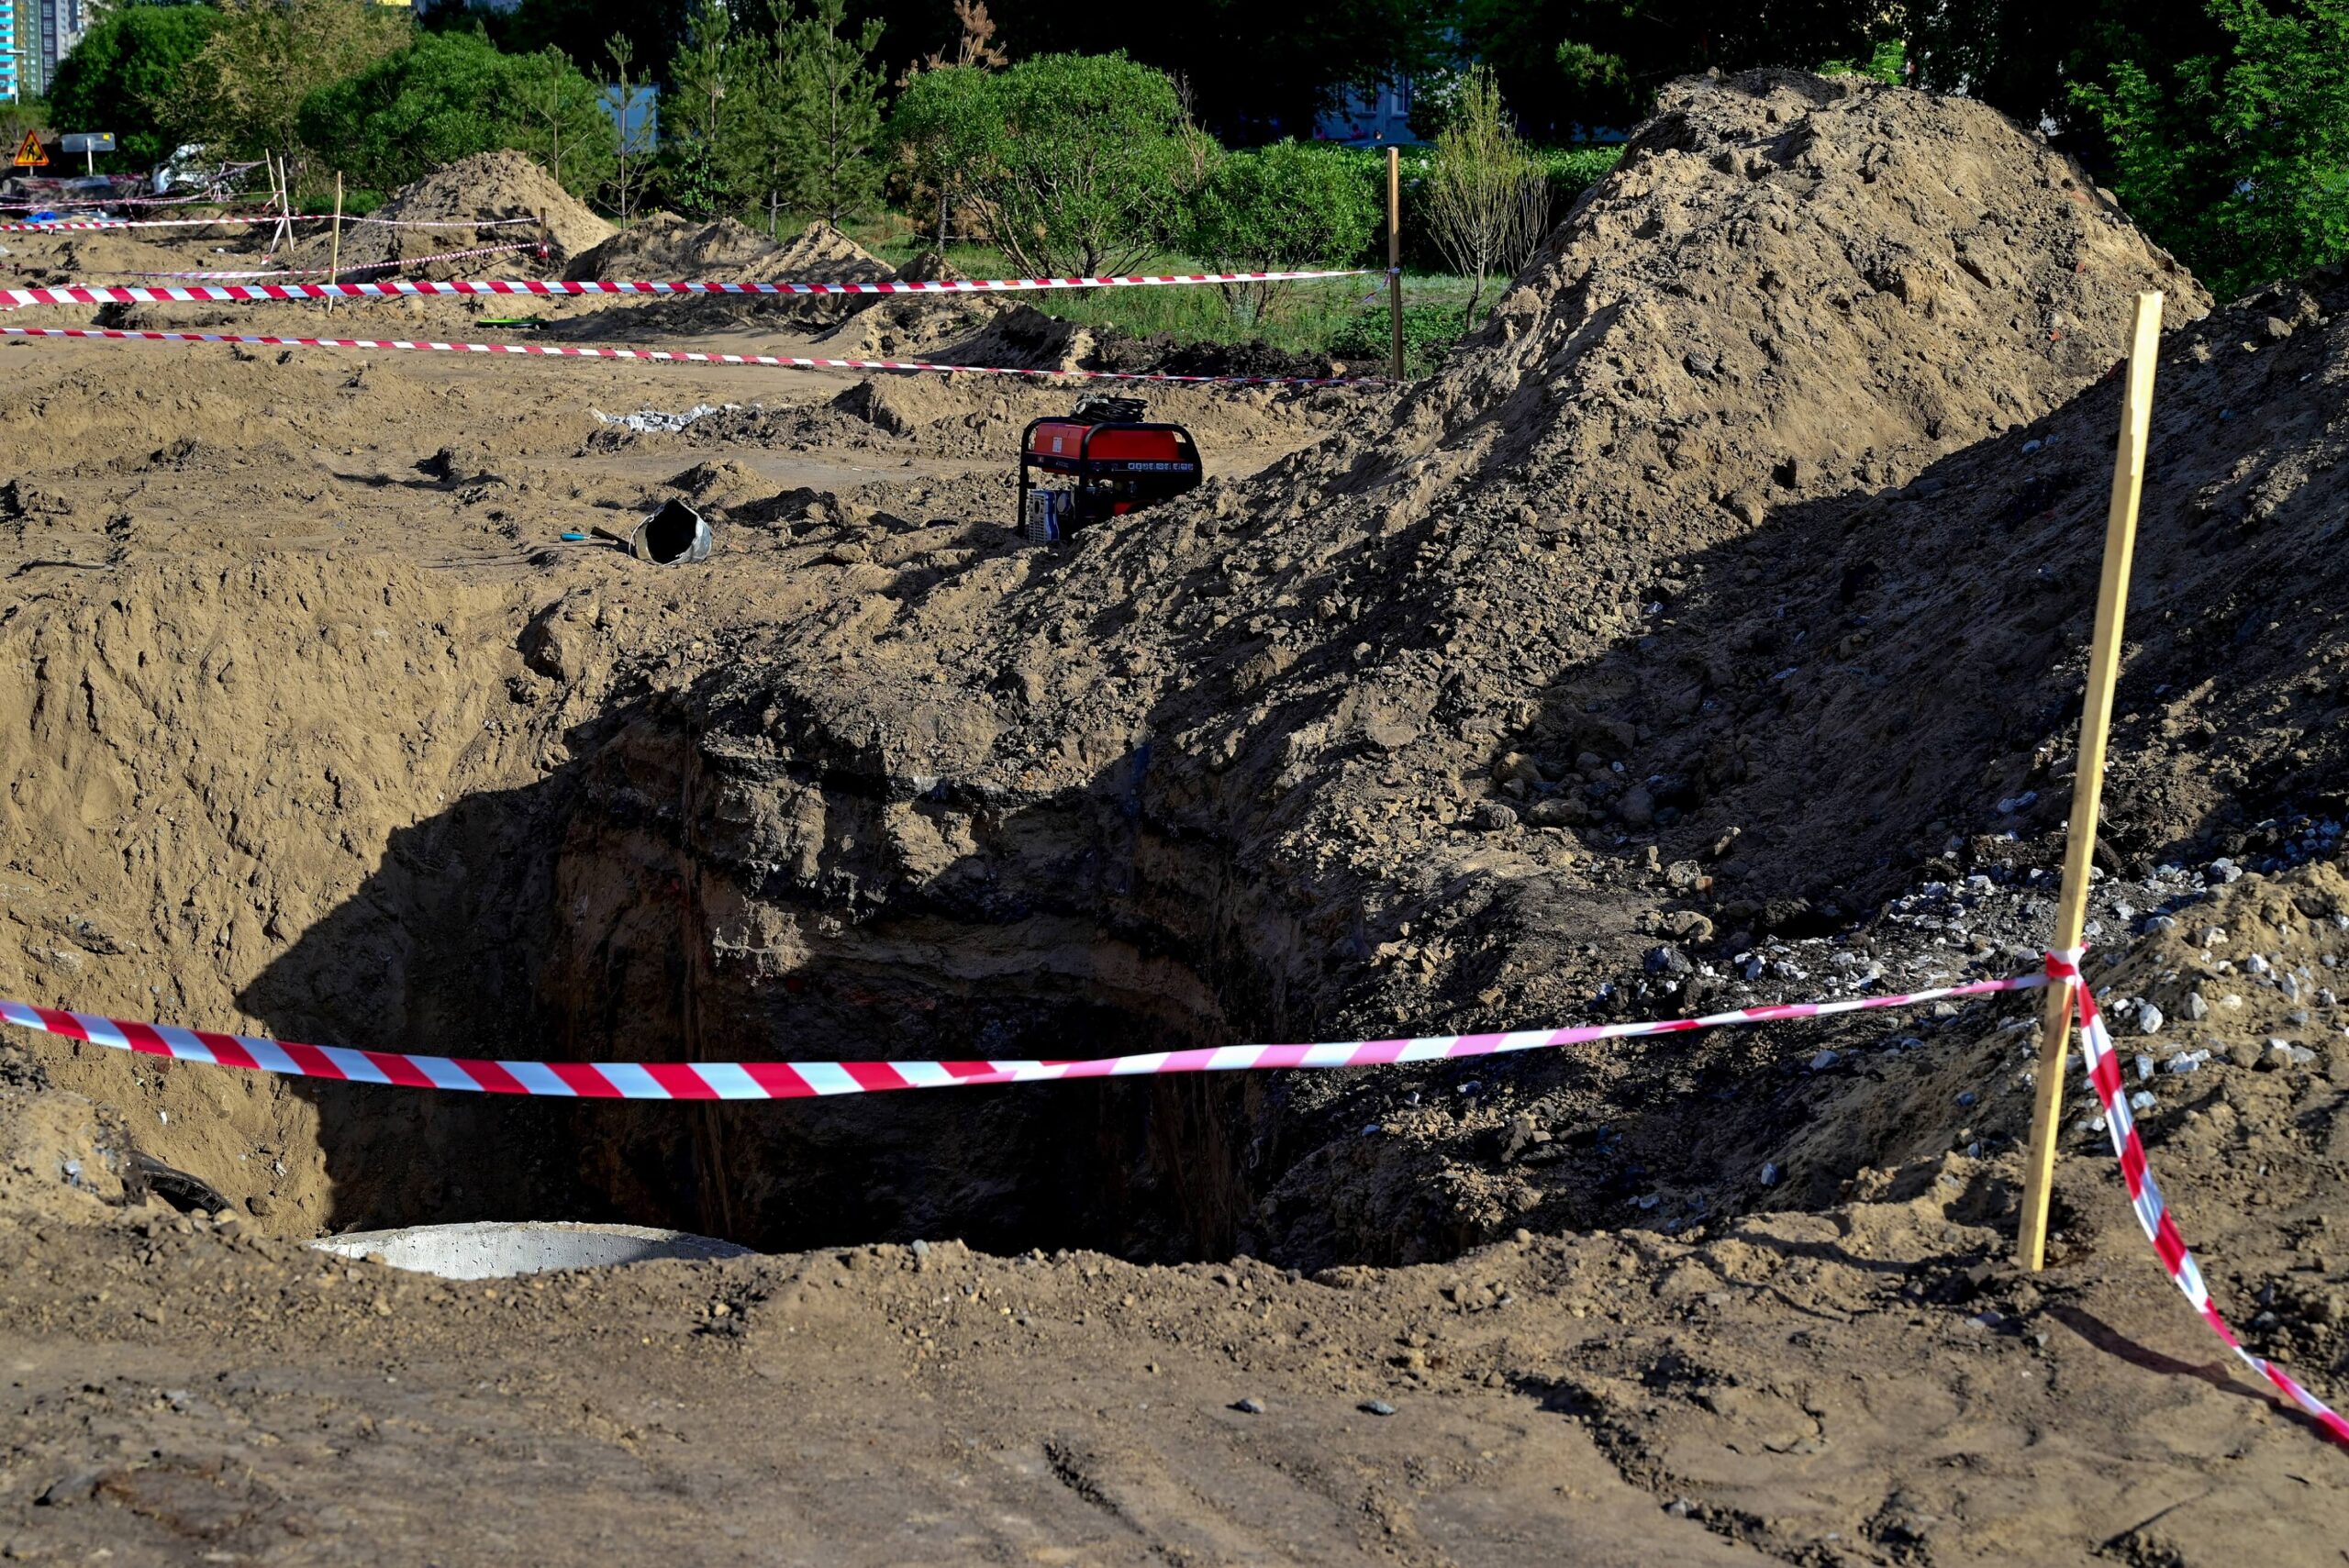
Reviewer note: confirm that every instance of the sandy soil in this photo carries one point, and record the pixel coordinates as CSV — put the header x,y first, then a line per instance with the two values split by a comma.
x,y
1707,631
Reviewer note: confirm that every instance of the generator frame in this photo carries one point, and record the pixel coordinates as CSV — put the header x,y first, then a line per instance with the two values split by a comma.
x,y
1093,475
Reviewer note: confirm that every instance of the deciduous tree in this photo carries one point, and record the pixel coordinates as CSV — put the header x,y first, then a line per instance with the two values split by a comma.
x,y
1280,208
1081,162
124,74
1488,199
244,89
2239,160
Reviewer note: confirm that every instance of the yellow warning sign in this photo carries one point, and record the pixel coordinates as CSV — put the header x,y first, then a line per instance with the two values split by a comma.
x,y
30,155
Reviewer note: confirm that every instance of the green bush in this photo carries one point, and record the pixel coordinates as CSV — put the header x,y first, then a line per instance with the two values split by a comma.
x,y
1080,163
444,96
1290,206
2239,164
1573,170
1430,329
941,120
121,70
1570,170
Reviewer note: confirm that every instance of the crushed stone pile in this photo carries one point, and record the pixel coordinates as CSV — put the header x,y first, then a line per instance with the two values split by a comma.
x,y
484,188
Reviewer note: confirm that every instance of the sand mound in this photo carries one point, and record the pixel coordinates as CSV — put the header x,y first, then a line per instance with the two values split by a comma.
x,y
668,247
914,327
484,188
1949,619
1022,338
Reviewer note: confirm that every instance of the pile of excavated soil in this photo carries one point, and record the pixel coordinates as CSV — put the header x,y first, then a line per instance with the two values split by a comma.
x,y
915,327
666,246
1340,673
484,188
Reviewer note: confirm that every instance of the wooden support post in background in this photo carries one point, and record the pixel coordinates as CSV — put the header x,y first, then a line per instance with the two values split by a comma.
x,y
334,256
2095,723
281,236
1394,256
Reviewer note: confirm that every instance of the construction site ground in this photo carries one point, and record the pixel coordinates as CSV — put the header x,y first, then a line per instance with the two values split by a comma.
x,y
1708,632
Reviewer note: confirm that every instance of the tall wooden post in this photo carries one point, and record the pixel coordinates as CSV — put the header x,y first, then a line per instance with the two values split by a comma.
x,y
334,255
1394,256
2096,723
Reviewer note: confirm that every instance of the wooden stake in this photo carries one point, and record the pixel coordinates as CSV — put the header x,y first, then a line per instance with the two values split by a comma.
x,y
2095,723
334,256
282,234
1394,255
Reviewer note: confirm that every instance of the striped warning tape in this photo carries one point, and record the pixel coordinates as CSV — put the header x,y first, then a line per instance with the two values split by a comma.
x,y
247,294
2145,1194
357,267
213,192
673,356
800,1080
805,1080
249,219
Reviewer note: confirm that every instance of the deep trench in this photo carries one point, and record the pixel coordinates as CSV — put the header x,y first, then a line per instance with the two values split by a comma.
x,y
673,895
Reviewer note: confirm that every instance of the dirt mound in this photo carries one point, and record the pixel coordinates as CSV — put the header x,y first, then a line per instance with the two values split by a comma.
x,y
1022,338
483,189
913,327
666,246
1948,619
820,253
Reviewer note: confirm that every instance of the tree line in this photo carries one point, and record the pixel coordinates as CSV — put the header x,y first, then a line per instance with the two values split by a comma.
x,y
2223,125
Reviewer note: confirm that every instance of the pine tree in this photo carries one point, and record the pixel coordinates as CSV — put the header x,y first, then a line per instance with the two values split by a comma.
x,y
835,100
763,144
702,80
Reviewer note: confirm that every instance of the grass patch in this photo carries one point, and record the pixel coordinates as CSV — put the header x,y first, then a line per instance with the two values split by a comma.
x,y
1343,317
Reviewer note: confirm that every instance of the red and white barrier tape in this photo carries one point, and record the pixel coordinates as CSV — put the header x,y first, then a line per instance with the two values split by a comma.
x,y
360,267
800,1080
805,1080
2145,1196
254,218
675,356
118,294
73,224
211,193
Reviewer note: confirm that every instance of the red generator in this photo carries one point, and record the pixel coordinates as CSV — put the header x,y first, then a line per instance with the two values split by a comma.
x,y
1116,460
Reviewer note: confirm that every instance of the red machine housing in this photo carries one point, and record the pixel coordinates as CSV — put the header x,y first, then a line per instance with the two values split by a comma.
x,y
1117,464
